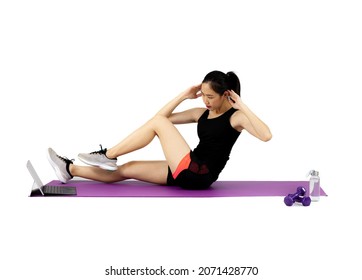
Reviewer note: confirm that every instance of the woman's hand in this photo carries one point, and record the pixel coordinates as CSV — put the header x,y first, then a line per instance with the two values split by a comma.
x,y
192,92
234,99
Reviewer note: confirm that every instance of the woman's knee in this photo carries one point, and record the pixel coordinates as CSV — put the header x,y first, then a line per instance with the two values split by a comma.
x,y
158,120
129,169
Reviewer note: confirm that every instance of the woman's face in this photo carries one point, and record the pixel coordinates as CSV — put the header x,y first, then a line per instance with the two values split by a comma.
x,y
211,99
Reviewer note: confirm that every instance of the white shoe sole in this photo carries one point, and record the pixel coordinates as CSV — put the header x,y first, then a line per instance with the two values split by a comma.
x,y
103,166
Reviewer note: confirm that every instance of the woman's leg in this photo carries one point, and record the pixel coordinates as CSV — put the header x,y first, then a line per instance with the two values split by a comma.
x,y
148,171
173,144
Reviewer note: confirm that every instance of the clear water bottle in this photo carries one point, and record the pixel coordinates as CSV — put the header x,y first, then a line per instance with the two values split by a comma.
x,y
314,185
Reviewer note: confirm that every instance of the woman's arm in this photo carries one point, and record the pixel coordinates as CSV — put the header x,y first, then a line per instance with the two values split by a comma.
x,y
244,118
188,116
191,93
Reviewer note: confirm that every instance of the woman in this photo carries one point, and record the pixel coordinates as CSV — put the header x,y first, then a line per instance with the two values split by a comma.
x,y
219,126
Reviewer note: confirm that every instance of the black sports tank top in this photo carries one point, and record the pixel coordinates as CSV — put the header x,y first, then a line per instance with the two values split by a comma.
x,y
217,137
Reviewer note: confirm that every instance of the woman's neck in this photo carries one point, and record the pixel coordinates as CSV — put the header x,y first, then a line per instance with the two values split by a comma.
x,y
225,106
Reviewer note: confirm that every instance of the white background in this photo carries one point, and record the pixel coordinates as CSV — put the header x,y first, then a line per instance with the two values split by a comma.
x,y
76,74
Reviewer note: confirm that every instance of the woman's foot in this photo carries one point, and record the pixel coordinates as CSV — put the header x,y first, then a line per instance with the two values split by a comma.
x,y
60,166
99,159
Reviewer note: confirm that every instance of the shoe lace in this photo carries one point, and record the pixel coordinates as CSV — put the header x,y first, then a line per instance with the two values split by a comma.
x,y
101,151
65,159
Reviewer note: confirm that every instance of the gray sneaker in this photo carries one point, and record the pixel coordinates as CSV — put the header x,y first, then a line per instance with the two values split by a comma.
x,y
60,166
99,159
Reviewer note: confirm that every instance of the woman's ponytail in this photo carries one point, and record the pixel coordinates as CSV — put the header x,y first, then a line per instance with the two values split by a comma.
x,y
233,82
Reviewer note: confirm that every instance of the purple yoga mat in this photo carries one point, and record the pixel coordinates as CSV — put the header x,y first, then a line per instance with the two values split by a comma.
x,y
218,189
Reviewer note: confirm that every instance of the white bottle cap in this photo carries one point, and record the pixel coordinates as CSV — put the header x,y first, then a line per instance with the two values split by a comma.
x,y
313,173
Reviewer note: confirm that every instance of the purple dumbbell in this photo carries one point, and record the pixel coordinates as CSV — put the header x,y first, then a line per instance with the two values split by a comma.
x,y
290,199
305,200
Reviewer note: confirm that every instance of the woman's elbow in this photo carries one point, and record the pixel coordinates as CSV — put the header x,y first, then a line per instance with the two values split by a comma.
x,y
267,137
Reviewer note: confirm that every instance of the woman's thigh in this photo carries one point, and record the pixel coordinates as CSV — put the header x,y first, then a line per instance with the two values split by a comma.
x,y
148,171
174,146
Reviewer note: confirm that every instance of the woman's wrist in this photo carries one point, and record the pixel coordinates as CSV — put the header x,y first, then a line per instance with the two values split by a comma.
x,y
181,97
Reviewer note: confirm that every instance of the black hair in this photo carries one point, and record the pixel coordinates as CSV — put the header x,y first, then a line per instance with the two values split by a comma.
x,y
221,82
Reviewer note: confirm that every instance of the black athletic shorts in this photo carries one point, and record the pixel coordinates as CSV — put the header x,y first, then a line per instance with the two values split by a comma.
x,y
197,176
